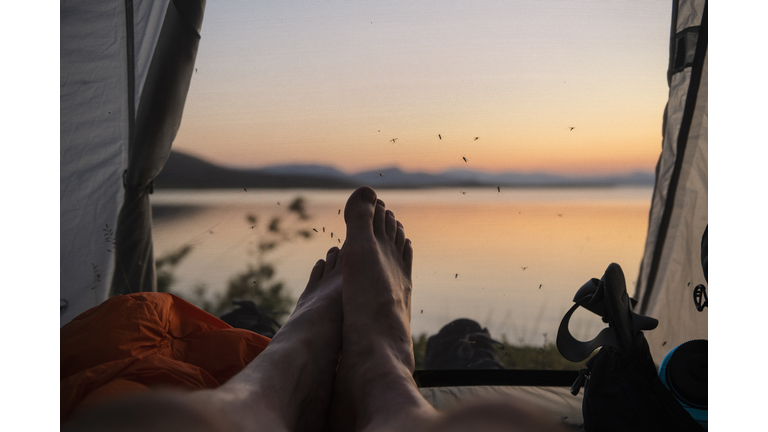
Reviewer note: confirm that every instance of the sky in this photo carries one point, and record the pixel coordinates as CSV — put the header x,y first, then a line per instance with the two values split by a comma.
x,y
334,82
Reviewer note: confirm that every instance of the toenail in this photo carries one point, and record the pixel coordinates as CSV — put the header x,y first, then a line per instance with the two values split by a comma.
x,y
368,195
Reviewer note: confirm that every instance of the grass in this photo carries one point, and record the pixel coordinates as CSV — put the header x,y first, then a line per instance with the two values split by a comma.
x,y
545,357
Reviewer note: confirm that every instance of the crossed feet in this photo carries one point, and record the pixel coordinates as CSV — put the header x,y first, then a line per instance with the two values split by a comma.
x,y
357,305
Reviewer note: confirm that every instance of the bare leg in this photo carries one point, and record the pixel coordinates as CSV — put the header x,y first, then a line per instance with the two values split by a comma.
x,y
374,387
285,388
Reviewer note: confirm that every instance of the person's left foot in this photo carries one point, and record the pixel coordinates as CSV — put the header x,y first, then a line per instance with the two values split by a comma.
x,y
289,384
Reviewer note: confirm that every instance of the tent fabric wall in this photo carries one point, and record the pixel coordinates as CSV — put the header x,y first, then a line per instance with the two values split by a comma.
x,y
158,117
121,92
671,265
94,134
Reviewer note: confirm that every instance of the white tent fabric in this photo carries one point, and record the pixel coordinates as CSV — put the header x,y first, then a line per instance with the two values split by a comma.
x,y
115,136
95,105
671,265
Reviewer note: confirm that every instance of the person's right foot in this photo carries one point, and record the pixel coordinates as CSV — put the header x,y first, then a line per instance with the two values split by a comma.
x,y
374,386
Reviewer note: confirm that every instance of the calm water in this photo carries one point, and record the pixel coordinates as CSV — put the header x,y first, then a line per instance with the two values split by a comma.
x,y
511,260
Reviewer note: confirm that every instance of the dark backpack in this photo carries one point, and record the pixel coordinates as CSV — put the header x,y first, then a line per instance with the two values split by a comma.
x,y
622,391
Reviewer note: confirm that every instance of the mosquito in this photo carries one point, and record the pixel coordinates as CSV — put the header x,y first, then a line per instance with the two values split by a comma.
x,y
393,140
465,159
572,127
315,230
439,136
523,268
476,138
498,188
457,276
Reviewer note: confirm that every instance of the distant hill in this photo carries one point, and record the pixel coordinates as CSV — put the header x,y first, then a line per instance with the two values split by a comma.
x,y
183,171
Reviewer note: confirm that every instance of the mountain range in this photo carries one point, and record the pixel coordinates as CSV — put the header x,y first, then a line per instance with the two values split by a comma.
x,y
183,171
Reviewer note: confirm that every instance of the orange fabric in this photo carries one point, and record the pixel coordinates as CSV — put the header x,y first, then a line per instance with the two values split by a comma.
x,y
141,341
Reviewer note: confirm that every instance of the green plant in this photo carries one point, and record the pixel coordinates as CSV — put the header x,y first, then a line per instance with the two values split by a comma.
x,y
521,356
256,282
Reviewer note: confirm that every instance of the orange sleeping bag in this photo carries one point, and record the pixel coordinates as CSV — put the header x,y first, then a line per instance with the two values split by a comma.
x,y
144,341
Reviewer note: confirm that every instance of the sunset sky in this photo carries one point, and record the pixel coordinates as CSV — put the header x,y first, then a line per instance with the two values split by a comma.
x,y
334,82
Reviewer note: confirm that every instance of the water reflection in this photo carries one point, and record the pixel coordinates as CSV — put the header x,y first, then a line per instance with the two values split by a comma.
x,y
511,261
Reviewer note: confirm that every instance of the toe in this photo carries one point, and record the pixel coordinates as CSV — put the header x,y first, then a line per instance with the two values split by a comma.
x,y
390,225
400,237
379,219
331,259
408,258
358,213
317,271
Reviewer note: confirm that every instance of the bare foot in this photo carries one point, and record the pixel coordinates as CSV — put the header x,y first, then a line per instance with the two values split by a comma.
x,y
374,387
290,383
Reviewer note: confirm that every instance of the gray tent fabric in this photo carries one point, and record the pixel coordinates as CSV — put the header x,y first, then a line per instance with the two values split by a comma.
x,y
106,52
157,121
557,402
671,265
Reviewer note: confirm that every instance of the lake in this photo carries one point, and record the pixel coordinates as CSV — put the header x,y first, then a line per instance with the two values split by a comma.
x,y
511,260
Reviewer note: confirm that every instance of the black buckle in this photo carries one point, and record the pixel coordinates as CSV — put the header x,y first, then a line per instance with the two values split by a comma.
x,y
699,293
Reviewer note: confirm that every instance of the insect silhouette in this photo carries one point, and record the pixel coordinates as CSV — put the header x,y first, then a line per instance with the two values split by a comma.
x,y
323,229
465,159
476,138
463,193
540,286
439,136
665,342
523,268
499,188
456,277
339,211
245,189
572,127
331,235
422,311
393,140
254,226
339,240
278,203
195,70
381,175
315,230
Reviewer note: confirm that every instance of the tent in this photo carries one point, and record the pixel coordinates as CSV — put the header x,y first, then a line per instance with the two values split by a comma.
x,y
125,71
